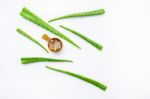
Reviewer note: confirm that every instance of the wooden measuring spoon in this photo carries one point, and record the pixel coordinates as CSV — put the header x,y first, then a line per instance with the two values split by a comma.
x,y
54,44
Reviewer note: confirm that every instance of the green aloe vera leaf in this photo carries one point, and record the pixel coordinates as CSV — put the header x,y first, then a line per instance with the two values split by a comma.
x,y
96,45
28,60
86,79
81,14
31,38
26,13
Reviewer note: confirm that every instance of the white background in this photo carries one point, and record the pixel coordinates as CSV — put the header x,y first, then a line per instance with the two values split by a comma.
x,y
123,65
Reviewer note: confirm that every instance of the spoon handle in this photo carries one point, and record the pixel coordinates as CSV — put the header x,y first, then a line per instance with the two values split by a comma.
x,y
46,37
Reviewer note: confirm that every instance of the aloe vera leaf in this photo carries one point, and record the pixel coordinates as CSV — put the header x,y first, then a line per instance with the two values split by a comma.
x,y
31,38
96,45
28,60
82,14
26,13
86,79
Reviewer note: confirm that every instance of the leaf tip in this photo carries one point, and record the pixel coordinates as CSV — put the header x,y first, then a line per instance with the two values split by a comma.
x,y
47,67
70,61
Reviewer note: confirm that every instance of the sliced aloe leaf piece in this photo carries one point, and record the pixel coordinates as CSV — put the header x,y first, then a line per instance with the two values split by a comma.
x,y
90,41
81,77
31,38
28,60
81,14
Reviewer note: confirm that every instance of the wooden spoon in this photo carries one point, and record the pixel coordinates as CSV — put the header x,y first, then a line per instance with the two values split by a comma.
x,y
54,44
